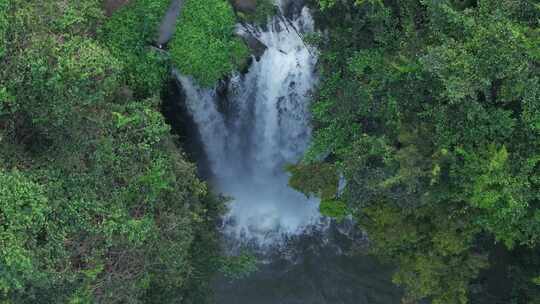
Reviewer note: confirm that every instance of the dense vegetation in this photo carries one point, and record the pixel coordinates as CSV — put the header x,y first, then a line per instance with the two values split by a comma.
x,y
98,204
430,110
204,45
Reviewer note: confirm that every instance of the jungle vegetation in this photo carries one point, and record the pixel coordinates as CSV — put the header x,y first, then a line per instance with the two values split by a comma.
x,y
430,112
98,202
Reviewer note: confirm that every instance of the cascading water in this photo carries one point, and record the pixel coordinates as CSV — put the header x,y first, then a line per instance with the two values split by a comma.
x,y
264,127
250,133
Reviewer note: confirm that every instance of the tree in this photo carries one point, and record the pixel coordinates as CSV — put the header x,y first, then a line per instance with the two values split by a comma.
x,y
128,35
23,216
97,201
204,45
428,111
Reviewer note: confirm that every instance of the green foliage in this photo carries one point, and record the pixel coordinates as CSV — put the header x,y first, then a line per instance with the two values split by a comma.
x,y
502,195
78,18
314,179
55,81
46,17
433,252
204,45
6,101
23,212
334,209
128,34
335,128
263,10
97,203
327,4
3,26
240,266
429,109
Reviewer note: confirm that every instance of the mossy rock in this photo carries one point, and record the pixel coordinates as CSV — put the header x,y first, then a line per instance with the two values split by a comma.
x,y
335,209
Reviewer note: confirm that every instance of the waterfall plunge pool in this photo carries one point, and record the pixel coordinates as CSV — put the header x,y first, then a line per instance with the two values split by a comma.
x,y
248,135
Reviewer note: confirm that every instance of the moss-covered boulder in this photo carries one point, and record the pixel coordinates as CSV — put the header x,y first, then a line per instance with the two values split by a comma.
x,y
204,45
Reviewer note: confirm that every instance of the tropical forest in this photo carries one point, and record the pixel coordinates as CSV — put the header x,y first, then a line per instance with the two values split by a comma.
x,y
270,151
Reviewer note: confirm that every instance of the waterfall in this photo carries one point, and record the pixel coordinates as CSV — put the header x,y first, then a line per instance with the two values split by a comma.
x,y
260,126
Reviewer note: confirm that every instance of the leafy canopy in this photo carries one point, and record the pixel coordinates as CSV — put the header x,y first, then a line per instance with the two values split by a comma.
x,y
204,45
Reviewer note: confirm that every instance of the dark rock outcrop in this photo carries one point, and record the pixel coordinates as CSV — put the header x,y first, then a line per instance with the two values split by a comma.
x,y
177,115
244,6
256,47
291,9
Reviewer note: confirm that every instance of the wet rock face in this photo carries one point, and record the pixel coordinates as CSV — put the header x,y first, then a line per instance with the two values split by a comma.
x,y
245,6
113,5
293,8
255,45
175,111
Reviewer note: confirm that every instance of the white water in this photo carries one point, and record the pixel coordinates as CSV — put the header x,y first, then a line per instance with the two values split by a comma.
x,y
265,125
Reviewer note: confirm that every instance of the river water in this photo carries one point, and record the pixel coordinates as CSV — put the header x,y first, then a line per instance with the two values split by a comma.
x,y
250,131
